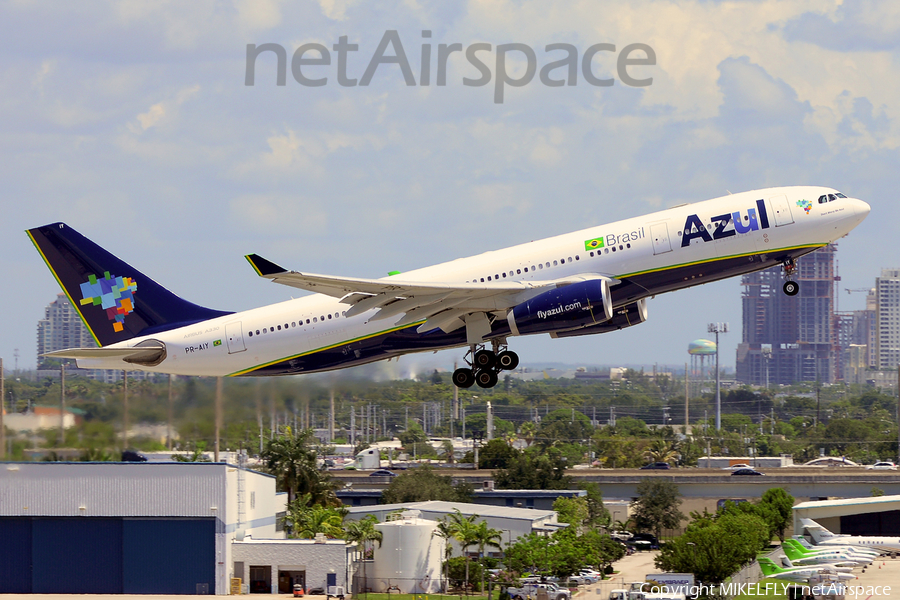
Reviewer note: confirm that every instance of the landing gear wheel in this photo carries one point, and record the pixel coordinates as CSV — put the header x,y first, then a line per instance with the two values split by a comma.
x,y
486,378
463,378
484,360
791,288
507,360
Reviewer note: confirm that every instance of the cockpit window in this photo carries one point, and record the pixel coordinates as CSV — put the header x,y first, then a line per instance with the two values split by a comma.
x,y
830,197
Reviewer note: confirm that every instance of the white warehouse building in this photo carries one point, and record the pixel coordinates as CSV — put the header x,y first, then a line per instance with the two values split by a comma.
x,y
149,528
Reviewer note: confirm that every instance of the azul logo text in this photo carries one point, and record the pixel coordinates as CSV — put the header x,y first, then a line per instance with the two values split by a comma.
x,y
725,225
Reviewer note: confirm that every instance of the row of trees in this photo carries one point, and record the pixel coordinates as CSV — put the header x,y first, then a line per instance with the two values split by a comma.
x,y
848,421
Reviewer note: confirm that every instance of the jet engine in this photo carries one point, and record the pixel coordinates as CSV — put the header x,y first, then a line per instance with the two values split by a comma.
x,y
568,307
624,316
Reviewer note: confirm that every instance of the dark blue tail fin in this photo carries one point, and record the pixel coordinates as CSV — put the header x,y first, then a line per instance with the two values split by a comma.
x,y
116,301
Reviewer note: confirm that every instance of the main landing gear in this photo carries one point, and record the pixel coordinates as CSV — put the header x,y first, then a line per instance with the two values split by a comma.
x,y
485,365
790,287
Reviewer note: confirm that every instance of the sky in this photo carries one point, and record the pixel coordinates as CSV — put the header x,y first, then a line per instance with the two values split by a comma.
x,y
132,122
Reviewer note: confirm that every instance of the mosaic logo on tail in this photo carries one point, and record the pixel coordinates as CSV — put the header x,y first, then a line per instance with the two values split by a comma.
x,y
115,295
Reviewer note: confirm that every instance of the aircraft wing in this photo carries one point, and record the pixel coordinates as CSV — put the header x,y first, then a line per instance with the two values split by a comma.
x,y
441,305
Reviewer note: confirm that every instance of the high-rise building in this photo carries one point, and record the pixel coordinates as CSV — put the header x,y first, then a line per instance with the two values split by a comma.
x,y
787,339
887,296
61,328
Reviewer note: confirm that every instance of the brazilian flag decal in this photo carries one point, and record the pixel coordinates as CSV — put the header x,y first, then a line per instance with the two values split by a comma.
x,y
593,244
217,343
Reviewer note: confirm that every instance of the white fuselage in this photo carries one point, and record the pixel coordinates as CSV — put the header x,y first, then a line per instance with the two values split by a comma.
x,y
659,252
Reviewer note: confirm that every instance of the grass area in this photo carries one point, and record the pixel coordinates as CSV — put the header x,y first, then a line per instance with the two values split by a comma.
x,y
377,596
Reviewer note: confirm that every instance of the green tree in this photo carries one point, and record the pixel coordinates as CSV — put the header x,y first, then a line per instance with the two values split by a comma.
x,y
782,508
496,454
423,483
715,546
486,537
598,516
363,532
573,511
656,507
465,531
307,519
534,471
292,459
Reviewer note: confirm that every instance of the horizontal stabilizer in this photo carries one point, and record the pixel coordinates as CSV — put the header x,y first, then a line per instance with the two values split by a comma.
x,y
148,354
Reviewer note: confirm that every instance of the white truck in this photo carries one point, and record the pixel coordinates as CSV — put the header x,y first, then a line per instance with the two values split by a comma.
x,y
532,591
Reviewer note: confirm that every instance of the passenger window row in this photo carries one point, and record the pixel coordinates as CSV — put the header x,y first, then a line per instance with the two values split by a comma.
x,y
548,265
314,320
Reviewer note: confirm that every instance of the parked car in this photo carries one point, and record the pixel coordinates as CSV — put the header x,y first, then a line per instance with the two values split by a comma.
x,y
885,465
657,465
746,472
530,590
736,467
382,473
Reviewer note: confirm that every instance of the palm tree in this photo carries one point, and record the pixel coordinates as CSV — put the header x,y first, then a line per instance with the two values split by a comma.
x,y
307,520
362,532
486,536
447,451
661,451
445,532
292,459
528,430
464,532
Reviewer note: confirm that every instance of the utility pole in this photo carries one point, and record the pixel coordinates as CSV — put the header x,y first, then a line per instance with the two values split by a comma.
x,y
490,421
353,426
125,407
2,411
687,393
218,415
718,328
169,415
62,403
331,415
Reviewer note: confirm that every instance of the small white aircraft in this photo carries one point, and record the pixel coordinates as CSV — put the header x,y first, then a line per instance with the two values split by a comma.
x,y
853,550
800,556
582,283
823,537
801,574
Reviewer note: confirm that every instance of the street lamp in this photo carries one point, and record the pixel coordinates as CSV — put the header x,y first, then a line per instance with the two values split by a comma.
x,y
718,328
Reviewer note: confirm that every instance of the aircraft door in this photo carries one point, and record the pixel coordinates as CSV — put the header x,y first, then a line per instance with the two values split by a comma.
x,y
234,335
659,233
782,210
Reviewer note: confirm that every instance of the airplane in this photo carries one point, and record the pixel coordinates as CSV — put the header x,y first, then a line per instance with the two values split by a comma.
x,y
865,552
823,537
799,574
588,282
834,557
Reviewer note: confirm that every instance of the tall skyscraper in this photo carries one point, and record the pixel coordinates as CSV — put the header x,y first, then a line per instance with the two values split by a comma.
x,y
887,293
789,339
61,328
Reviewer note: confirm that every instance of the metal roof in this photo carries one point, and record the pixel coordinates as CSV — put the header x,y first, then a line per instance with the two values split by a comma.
x,y
440,506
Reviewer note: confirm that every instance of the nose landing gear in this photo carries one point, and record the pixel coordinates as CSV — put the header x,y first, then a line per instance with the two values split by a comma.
x,y
790,287
485,365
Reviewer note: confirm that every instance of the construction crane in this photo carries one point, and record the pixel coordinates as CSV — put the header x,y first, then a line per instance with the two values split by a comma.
x,y
850,291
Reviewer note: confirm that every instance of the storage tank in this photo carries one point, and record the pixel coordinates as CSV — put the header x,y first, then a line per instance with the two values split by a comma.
x,y
409,559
